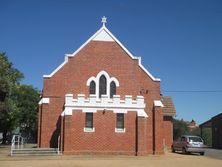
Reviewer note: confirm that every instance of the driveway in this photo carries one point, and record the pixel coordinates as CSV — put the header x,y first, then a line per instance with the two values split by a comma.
x,y
213,153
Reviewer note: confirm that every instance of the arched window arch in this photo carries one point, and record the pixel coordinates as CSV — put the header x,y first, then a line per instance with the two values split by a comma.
x,y
102,86
92,87
112,89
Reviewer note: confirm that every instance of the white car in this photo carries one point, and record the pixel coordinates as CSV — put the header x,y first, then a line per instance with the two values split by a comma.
x,y
189,144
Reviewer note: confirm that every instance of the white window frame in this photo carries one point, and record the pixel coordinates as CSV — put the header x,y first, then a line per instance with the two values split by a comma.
x,y
120,130
89,129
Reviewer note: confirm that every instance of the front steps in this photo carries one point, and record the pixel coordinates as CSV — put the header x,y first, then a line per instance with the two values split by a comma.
x,y
34,151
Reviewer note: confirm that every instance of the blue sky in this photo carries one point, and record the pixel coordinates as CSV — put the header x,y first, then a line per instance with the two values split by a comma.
x,y
180,41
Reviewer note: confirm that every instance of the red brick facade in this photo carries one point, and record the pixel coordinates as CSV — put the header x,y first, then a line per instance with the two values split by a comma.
x,y
168,131
143,135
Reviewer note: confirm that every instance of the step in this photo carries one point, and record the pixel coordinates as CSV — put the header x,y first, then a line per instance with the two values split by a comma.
x,y
34,151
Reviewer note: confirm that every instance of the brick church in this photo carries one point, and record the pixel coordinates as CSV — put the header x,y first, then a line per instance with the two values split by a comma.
x,y
102,100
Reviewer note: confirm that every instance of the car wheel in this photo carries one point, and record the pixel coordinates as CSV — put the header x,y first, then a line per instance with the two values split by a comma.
x,y
184,150
202,153
173,150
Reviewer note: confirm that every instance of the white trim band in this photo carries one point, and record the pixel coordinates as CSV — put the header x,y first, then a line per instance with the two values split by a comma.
x,y
158,103
92,104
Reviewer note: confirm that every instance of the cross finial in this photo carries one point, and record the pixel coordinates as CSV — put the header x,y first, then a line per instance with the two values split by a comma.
x,y
104,20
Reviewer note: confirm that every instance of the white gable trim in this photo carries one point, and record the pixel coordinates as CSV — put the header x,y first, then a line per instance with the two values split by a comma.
x,y
58,68
95,36
103,36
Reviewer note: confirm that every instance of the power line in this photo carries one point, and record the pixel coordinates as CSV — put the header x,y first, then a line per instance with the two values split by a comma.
x,y
146,91
193,91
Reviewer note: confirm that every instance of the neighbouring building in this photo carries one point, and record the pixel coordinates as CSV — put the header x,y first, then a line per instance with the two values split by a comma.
x,y
191,125
168,112
102,100
215,123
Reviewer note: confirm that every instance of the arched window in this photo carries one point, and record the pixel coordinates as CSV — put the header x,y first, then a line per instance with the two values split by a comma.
x,y
92,87
102,86
112,89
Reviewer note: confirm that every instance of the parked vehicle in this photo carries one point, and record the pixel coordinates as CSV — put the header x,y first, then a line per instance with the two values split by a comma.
x,y
189,144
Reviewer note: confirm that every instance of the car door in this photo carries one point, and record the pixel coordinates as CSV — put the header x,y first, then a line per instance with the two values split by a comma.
x,y
182,143
177,143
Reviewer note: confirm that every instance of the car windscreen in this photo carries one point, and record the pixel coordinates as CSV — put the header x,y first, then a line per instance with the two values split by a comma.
x,y
195,139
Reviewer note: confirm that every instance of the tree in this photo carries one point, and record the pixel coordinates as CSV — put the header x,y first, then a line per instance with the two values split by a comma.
x,y
207,136
195,132
27,98
18,103
179,128
9,79
8,114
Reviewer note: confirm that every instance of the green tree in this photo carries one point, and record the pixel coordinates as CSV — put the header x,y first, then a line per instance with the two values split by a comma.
x,y
179,128
207,136
8,120
195,132
27,98
9,79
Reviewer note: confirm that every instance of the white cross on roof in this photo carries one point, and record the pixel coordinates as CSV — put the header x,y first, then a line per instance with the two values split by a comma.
x,y
104,20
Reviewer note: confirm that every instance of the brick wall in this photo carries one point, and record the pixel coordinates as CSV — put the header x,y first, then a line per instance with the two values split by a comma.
x,y
104,139
71,78
168,131
158,129
50,122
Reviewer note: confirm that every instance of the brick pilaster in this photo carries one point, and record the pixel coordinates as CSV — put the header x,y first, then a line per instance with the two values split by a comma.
x,y
158,131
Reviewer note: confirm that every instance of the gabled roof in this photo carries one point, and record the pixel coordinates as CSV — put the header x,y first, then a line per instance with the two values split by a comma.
x,y
168,109
103,34
208,124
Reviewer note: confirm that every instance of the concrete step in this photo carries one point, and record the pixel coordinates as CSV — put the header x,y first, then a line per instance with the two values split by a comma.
x,y
34,151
